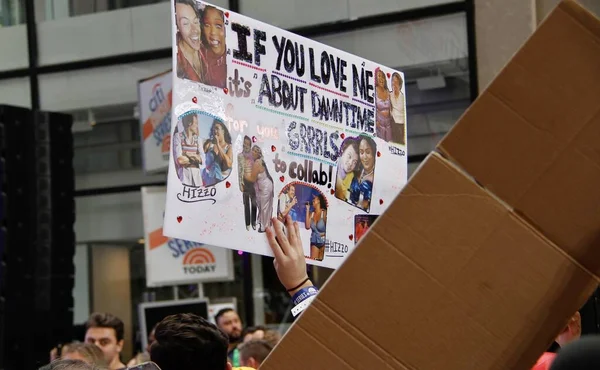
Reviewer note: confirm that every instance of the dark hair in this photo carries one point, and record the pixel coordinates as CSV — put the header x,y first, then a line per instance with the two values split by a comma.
x,y
221,313
322,201
191,3
91,352
187,120
188,342
226,135
68,365
248,138
272,337
106,320
397,75
349,142
210,7
377,71
256,348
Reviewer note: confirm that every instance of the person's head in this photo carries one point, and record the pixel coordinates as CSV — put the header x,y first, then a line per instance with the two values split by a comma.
x,y
87,352
381,80
69,365
213,26
253,332
571,331
291,191
188,23
396,82
151,338
272,337
582,354
219,131
188,342
367,149
106,331
229,322
319,202
190,122
256,152
254,352
349,157
247,144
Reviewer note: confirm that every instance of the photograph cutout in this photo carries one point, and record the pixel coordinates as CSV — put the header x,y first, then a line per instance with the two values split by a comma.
x,y
355,171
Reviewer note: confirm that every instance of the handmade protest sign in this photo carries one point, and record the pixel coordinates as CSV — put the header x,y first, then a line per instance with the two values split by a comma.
x,y
154,101
267,123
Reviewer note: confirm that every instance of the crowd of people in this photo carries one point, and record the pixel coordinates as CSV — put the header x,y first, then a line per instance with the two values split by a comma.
x,y
186,341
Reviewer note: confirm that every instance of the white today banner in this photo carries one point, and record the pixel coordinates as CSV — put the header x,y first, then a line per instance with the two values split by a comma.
x,y
154,101
175,261
269,124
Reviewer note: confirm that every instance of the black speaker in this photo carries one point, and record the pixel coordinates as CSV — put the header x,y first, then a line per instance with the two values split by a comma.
x,y
37,240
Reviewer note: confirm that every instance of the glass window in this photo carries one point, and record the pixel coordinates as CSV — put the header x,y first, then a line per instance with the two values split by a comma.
x,y
12,12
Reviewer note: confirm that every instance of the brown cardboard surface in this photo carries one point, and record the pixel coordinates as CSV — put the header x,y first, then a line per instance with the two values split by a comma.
x,y
486,252
539,150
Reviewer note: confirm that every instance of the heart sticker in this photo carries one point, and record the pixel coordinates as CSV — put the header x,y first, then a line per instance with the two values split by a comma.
x,y
195,100
254,139
343,136
350,236
273,148
227,184
281,178
226,90
179,219
380,201
378,153
227,14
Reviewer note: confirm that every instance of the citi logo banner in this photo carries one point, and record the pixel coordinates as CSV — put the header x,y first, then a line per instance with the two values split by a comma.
x,y
198,261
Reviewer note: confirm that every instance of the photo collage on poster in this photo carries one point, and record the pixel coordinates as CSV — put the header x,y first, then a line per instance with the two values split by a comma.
x,y
271,124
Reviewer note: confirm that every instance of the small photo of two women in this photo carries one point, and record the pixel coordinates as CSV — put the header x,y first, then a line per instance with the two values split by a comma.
x,y
390,115
201,46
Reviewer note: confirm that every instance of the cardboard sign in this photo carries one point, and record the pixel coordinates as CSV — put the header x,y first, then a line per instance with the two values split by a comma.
x,y
490,247
267,123
154,100
175,261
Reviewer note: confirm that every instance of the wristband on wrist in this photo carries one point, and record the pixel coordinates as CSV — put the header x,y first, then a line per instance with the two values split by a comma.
x,y
299,285
303,294
302,306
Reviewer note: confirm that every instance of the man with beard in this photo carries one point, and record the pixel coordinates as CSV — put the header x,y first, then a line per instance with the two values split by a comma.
x,y
228,321
245,162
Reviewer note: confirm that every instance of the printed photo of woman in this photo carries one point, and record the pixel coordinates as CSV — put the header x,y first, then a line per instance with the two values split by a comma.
x,y
263,188
383,119
218,153
190,62
346,165
186,151
214,48
398,112
316,222
361,188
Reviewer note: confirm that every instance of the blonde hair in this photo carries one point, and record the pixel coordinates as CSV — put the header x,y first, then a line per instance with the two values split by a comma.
x,y
90,352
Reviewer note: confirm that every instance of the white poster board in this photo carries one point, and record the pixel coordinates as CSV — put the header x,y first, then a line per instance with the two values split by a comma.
x,y
154,101
172,261
271,123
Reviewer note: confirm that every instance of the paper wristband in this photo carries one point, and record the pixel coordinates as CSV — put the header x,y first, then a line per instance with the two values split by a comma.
x,y
303,294
302,306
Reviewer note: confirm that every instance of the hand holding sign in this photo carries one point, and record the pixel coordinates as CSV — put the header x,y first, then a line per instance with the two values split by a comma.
x,y
289,262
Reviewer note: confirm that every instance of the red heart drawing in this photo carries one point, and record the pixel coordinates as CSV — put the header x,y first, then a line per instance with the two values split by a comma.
x,y
281,178
273,148
350,236
343,136
332,191
227,184
227,14
380,201
179,219
388,74
226,90
195,100
254,139
378,153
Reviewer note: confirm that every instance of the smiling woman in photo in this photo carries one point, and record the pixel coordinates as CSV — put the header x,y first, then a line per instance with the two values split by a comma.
x,y
213,38
190,62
